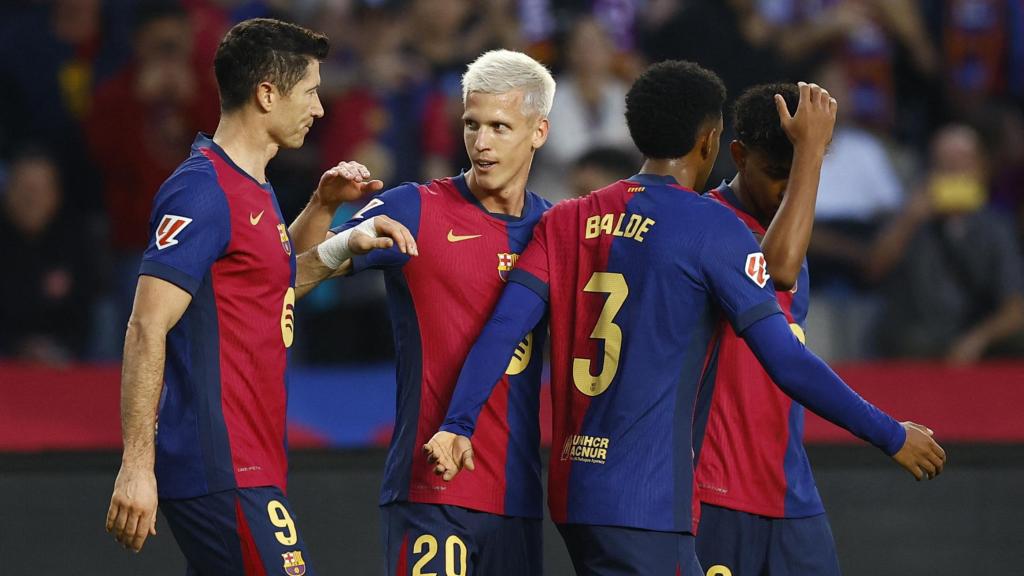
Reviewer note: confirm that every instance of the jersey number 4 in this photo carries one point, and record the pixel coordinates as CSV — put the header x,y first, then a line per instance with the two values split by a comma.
x,y
614,285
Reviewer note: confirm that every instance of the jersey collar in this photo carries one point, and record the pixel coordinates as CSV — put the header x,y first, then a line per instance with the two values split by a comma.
x,y
657,180
463,188
729,195
204,140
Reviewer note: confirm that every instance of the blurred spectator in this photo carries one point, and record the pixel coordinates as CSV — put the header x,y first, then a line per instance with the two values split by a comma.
x,y
599,167
142,123
858,191
1006,131
983,46
877,43
393,120
957,291
51,56
588,111
46,302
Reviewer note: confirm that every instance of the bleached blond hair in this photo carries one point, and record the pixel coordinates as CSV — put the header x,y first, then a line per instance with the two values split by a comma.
x,y
502,71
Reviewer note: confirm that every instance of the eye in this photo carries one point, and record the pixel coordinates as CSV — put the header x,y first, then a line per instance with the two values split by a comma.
x,y
470,124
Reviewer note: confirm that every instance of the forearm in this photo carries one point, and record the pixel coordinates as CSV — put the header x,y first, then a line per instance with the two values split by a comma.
x,y
1007,320
310,227
310,271
809,381
891,246
142,376
787,238
517,312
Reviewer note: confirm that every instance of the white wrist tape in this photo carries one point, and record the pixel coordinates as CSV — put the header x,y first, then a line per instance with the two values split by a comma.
x,y
335,250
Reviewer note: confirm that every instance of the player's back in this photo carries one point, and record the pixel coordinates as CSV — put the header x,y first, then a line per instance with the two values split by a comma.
x,y
633,280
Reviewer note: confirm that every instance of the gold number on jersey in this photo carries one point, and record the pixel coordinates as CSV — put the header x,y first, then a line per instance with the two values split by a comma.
x,y
719,570
521,357
798,332
613,284
288,318
280,517
430,543
427,545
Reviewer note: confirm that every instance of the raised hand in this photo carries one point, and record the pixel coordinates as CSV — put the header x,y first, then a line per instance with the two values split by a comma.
x,y
449,453
346,182
815,117
920,454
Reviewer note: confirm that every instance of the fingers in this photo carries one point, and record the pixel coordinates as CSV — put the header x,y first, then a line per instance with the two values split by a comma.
x,y
780,105
467,460
351,171
120,523
400,234
131,531
112,512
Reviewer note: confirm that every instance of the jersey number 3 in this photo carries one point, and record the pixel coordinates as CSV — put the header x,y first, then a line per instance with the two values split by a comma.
x,y
614,285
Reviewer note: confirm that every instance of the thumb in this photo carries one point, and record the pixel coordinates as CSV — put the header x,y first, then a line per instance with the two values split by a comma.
x,y
467,460
382,243
371,186
780,105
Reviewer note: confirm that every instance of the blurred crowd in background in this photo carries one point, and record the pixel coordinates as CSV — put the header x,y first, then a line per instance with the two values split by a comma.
x,y
920,215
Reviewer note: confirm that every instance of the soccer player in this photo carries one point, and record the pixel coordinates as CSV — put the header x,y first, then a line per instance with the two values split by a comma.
x,y
470,230
636,277
213,317
769,519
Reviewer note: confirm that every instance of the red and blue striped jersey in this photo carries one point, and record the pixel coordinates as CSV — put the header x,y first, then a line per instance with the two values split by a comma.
x,y
752,457
637,276
439,301
218,234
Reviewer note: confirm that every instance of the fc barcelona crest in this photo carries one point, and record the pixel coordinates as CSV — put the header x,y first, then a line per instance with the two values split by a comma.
x,y
285,242
293,563
506,262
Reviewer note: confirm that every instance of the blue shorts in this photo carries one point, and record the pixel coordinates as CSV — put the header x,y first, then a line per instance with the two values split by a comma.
x,y
619,551
733,543
440,539
238,532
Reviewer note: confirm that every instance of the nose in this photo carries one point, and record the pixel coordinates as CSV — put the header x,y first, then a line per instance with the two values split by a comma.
x,y
482,139
318,108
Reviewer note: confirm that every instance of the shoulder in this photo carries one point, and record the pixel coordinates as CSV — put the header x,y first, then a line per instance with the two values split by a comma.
x,y
194,179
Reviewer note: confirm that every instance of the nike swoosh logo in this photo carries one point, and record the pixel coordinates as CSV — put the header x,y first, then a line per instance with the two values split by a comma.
x,y
453,238
254,220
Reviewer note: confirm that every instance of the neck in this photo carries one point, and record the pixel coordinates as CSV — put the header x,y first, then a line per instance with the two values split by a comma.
x,y
746,202
509,199
246,143
684,170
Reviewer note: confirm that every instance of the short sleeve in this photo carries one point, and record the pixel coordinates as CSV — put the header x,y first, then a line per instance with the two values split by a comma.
x,y
736,273
532,268
402,204
189,229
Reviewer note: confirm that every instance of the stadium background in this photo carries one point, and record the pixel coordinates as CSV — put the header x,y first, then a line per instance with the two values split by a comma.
x,y
102,98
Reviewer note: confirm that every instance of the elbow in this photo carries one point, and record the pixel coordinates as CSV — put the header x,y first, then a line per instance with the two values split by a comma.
x,y
143,329
784,282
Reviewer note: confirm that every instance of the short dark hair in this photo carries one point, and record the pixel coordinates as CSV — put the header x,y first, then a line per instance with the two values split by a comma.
x,y
756,120
264,50
667,105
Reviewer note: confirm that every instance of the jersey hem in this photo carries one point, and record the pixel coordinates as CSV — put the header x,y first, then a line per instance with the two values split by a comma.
x,y
740,505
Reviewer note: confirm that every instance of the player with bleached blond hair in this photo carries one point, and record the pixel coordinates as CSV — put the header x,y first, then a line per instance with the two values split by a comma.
x,y
470,229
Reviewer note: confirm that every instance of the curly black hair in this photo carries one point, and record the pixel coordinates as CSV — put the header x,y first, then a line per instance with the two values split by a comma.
x,y
264,50
757,124
667,104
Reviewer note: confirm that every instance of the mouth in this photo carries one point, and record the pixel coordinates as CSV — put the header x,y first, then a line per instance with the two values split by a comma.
x,y
484,165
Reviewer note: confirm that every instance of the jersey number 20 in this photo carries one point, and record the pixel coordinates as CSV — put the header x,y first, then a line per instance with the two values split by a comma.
x,y
614,285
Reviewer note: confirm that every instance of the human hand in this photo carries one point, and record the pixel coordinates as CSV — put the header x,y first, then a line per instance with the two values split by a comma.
x,y
131,517
814,120
346,182
920,454
449,453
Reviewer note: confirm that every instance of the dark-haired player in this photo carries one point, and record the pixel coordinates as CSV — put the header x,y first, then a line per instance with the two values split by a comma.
x,y
214,317
760,510
636,277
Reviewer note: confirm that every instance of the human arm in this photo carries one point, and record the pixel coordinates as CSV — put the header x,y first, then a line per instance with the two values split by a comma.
x,y
809,381
346,182
518,311
810,130
333,257
159,304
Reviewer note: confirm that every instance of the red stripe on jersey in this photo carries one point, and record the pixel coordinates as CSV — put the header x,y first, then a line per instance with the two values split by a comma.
x,y
567,280
252,289
454,284
252,563
743,454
